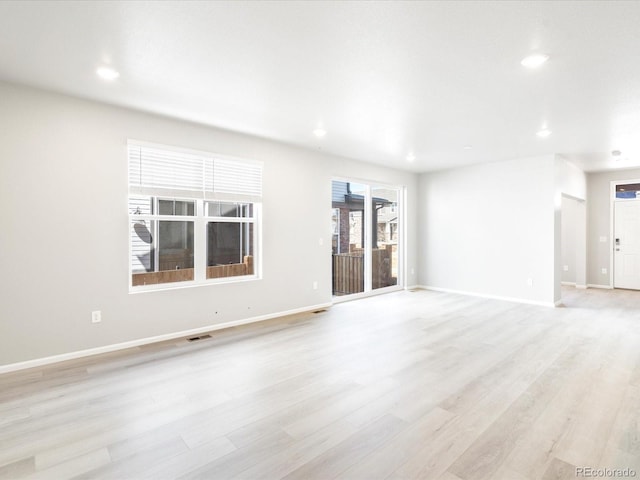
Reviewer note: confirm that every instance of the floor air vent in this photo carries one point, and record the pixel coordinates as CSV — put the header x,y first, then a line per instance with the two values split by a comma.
x,y
201,337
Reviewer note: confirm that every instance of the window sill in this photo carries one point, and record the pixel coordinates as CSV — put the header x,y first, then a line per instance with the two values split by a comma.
x,y
192,284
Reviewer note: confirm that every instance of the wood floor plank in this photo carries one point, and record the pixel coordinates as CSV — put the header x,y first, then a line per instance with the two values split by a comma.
x,y
188,461
381,462
298,454
74,466
337,459
560,470
338,409
234,463
18,469
132,466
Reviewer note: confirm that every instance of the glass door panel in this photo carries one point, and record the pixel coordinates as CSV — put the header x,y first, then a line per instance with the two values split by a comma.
x,y
384,236
349,224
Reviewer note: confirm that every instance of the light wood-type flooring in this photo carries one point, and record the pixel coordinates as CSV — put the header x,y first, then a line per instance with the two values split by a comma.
x,y
403,385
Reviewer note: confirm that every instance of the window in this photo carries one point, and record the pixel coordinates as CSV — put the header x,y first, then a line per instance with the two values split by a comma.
x,y
230,239
194,217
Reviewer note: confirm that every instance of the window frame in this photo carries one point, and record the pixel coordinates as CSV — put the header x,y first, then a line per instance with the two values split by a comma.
x,y
200,221
200,244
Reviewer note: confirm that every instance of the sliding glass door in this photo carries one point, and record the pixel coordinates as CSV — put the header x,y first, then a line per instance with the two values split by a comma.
x,y
367,240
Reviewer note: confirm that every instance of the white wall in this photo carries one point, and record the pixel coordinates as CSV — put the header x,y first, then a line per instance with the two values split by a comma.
x,y
487,229
64,234
599,214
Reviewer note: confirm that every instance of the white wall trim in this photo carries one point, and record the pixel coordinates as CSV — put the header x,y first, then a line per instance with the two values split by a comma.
x,y
38,362
593,285
413,287
568,284
492,297
581,287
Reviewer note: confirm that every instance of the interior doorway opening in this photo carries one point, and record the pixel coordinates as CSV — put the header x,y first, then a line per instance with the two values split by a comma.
x,y
571,269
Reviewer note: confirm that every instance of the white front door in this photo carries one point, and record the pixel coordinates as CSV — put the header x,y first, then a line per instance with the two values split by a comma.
x,y
626,244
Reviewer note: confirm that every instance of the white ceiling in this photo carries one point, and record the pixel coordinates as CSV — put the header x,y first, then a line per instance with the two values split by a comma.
x,y
385,79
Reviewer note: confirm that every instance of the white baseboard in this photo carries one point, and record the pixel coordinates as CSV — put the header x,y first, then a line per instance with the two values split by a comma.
x,y
38,362
372,293
413,287
593,285
584,287
492,297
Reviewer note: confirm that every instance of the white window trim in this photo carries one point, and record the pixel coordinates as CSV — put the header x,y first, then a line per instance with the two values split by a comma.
x,y
200,248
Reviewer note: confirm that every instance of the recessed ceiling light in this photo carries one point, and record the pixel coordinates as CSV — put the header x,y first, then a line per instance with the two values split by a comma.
x,y
543,133
411,157
107,73
467,147
535,60
319,132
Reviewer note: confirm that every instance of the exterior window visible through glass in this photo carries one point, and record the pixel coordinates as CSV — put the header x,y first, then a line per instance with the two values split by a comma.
x,y
176,207
226,209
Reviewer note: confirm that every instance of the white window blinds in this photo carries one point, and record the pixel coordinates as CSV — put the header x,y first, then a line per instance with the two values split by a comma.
x,y
162,171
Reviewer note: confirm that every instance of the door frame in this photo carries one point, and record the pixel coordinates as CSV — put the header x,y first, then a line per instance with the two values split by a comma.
x,y
612,202
402,239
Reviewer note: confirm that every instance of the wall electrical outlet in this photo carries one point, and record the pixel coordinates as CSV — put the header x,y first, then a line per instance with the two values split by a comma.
x,y
321,241
530,282
315,285
565,268
604,271
603,239
96,316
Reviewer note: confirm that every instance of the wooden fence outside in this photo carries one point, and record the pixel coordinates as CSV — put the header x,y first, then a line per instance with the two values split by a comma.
x,y
348,273
348,270
232,269
186,274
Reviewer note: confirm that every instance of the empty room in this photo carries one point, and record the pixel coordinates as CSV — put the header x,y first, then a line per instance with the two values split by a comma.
x,y
319,240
